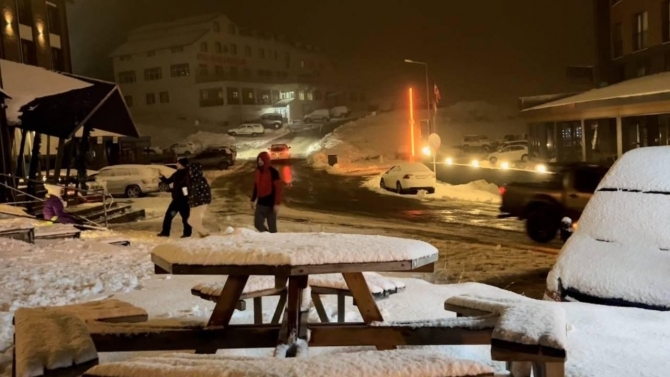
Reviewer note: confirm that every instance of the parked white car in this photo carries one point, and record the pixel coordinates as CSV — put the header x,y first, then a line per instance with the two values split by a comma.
x,y
523,143
510,154
408,176
247,129
321,115
167,172
618,254
186,148
476,141
340,112
132,181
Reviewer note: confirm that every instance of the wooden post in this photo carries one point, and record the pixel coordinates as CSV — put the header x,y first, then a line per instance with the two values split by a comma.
x,y
60,153
296,284
48,162
258,310
280,308
21,163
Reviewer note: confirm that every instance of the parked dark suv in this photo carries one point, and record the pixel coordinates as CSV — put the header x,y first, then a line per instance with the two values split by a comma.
x,y
274,121
216,158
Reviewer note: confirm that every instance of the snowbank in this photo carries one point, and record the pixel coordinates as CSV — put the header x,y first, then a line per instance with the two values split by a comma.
x,y
372,144
478,191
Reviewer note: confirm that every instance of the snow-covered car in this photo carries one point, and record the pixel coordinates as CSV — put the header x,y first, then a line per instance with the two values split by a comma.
x,y
510,154
321,115
620,252
476,141
247,129
132,181
186,148
523,143
272,120
408,176
340,112
280,152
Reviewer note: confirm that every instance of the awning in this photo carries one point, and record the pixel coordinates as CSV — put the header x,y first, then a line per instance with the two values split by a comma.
x,y
23,83
283,103
644,95
4,95
101,105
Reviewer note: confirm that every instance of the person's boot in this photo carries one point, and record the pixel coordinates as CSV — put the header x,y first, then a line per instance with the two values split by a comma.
x,y
186,236
163,235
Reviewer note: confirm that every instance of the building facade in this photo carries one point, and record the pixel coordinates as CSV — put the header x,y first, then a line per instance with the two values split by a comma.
x,y
35,32
630,108
208,68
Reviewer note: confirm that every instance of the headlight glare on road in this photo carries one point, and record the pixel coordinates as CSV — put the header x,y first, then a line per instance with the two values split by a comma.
x,y
449,161
504,165
426,151
475,163
541,168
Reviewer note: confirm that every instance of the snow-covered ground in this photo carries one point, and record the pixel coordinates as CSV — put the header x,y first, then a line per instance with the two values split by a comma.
x,y
478,191
372,144
83,270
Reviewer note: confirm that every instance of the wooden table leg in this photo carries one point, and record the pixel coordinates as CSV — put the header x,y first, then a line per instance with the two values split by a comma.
x,y
341,307
280,308
365,302
320,309
296,284
258,310
225,306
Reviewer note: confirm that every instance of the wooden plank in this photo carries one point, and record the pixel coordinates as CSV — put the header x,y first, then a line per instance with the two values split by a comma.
x,y
361,293
180,269
73,371
349,335
522,353
258,310
341,307
223,311
554,369
320,310
462,311
280,308
177,339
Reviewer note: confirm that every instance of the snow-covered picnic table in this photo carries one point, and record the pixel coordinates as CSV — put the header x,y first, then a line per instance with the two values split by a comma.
x,y
293,257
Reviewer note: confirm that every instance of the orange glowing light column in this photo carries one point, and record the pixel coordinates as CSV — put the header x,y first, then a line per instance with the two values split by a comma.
x,y
411,121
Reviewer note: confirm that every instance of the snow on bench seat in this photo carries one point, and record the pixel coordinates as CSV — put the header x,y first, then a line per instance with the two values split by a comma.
x,y
255,285
244,248
523,322
369,364
49,340
109,310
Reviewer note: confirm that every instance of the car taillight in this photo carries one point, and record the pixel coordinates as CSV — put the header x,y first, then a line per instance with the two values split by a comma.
x,y
502,190
408,176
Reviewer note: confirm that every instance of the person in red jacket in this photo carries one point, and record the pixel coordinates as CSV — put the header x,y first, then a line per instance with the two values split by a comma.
x,y
267,194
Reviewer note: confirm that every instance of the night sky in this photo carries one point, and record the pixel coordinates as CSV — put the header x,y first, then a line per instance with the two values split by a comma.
x,y
491,50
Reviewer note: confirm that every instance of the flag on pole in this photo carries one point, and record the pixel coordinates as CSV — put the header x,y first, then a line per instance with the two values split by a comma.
x,y
438,96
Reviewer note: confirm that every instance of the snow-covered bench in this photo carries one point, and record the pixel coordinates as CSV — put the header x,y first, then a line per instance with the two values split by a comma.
x,y
369,364
56,340
330,284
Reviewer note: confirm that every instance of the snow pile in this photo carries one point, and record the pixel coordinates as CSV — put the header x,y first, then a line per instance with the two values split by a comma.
x,y
477,191
210,139
374,143
370,364
50,340
60,273
294,249
624,234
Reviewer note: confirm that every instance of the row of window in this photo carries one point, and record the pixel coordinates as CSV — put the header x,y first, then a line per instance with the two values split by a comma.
x,y
156,73
150,98
29,53
25,13
640,31
216,27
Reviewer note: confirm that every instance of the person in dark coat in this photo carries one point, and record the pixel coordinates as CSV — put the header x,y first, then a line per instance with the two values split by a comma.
x,y
267,195
180,182
54,209
199,199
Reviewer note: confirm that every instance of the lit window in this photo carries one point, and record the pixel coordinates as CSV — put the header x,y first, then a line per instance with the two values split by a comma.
x,y
211,97
152,74
310,96
301,95
180,70
640,31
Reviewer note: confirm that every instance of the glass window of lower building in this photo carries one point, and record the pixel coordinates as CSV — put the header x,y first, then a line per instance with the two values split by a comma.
x,y
264,97
29,52
233,96
640,31
151,98
275,95
54,19
248,96
310,96
601,141
180,70
58,59
645,131
164,97
211,97
127,77
152,74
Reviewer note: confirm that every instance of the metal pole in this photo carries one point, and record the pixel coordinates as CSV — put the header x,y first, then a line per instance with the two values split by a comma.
x,y
435,163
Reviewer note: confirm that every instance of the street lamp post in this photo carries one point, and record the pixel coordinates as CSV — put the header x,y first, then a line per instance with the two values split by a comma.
x,y
410,61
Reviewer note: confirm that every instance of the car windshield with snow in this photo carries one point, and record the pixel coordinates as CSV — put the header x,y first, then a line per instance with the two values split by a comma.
x,y
620,253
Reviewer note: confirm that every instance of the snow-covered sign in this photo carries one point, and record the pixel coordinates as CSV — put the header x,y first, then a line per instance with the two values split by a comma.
x,y
434,141
24,83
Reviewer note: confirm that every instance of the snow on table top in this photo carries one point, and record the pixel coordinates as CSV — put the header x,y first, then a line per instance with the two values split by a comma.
x,y
645,169
50,339
395,363
292,249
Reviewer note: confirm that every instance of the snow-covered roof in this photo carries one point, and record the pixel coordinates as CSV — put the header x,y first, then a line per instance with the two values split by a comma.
x,y
643,86
247,247
24,83
158,43
170,25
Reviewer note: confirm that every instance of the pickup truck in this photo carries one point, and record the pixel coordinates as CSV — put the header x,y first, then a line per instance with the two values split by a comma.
x,y
543,205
